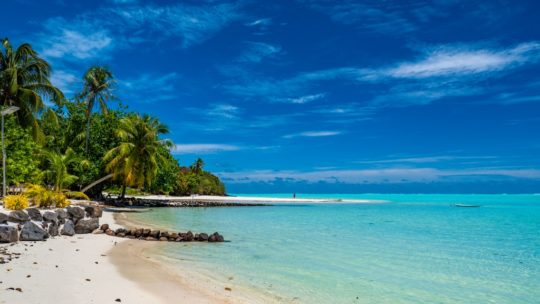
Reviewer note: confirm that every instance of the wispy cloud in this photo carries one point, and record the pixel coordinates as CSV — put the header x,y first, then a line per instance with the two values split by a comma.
x,y
313,134
260,22
203,148
376,176
425,159
62,39
149,88
65,81
257,51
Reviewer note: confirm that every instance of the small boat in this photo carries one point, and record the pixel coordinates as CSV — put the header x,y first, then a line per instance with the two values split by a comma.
x,y
466,206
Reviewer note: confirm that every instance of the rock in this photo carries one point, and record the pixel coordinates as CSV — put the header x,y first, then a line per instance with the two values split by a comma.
x,y
110,232
212,238
3,218
93,211
179,239
174,235
149,238
203,237
86,225
163,239
18,216
164,234
121,234
75,212
130,236
155,234
217,237
220,238
146,232
104,227
68,229
62,215
51,217
138,232
53,229
97,231
120,230
189,236
132,231
8,234
34,214
32,232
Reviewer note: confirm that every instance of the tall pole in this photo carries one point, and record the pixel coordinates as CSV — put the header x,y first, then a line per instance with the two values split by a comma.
x,y
3,161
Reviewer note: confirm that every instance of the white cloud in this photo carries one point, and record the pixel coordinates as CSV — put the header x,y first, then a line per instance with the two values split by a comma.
x,y
260,22
65,81
257,51
306,98
63,39
203,148
313,134
149,88
371,176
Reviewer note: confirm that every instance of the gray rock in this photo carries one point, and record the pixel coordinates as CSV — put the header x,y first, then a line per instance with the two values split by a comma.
x,y
18,216
34,214
86,225
93,211
50,216
62,215
68,229
203,237
53,229
8,234
32,232
3,218
75,212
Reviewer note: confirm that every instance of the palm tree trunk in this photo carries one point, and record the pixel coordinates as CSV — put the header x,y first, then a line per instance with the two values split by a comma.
x,y
87,135
123,195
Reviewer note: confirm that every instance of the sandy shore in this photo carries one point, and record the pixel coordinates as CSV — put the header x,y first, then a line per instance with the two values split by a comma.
x,y
90,269
246,199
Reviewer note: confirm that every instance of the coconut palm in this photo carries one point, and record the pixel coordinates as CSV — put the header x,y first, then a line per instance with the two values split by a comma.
x,y
135,160
98,83
58,167
197,166
24,82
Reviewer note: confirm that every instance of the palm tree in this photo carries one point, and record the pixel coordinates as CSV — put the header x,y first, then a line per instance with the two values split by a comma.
x,y
197,166
136,159
58,165
98,83
24,81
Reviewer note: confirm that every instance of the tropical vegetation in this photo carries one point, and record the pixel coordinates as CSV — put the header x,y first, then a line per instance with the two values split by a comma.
x,y
58,146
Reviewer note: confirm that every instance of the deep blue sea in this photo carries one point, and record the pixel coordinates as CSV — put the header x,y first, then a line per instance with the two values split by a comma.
x,y
413,249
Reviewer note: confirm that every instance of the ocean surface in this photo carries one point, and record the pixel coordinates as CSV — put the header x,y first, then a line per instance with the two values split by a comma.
x,y
413,249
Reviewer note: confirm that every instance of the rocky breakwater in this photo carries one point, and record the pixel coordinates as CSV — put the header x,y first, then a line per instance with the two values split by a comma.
x,y
33,224
159,235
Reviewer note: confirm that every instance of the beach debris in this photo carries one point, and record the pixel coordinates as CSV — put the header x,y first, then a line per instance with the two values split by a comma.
x,y
33,232
118,300
228,289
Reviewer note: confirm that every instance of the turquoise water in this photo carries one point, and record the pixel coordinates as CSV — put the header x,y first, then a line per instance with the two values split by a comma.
x,y
415,249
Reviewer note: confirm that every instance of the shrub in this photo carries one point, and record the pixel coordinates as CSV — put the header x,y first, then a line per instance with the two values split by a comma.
x,y
45,198
16,202
76,195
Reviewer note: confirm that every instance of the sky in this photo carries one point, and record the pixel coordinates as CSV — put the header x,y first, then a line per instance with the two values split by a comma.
x,y
316,96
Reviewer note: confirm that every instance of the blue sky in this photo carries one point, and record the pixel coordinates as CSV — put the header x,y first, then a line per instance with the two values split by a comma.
x,y
312,96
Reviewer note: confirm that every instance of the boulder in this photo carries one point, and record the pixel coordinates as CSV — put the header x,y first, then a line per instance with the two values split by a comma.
x,y
18,216
155,234
34,214
174,235
146,232
104,227
68,229
189,236
212,238
110,232
216,237
120,230
8,234
75,212
93,211
53,229
121,234
149,238
164,234
163,239
51,217
86,225
97,231
203,237
62,215
3,218
138,232
32,232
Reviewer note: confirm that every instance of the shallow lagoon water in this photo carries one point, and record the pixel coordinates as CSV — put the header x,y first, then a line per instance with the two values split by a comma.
x,y
414,249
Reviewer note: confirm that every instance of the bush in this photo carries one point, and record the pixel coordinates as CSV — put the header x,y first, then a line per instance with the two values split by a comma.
x,y
16,202
45,198
76,195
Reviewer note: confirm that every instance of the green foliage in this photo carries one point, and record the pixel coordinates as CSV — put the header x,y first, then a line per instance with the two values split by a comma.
x,y
45,198
76,195
22,165
16,202
58,166
195,180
